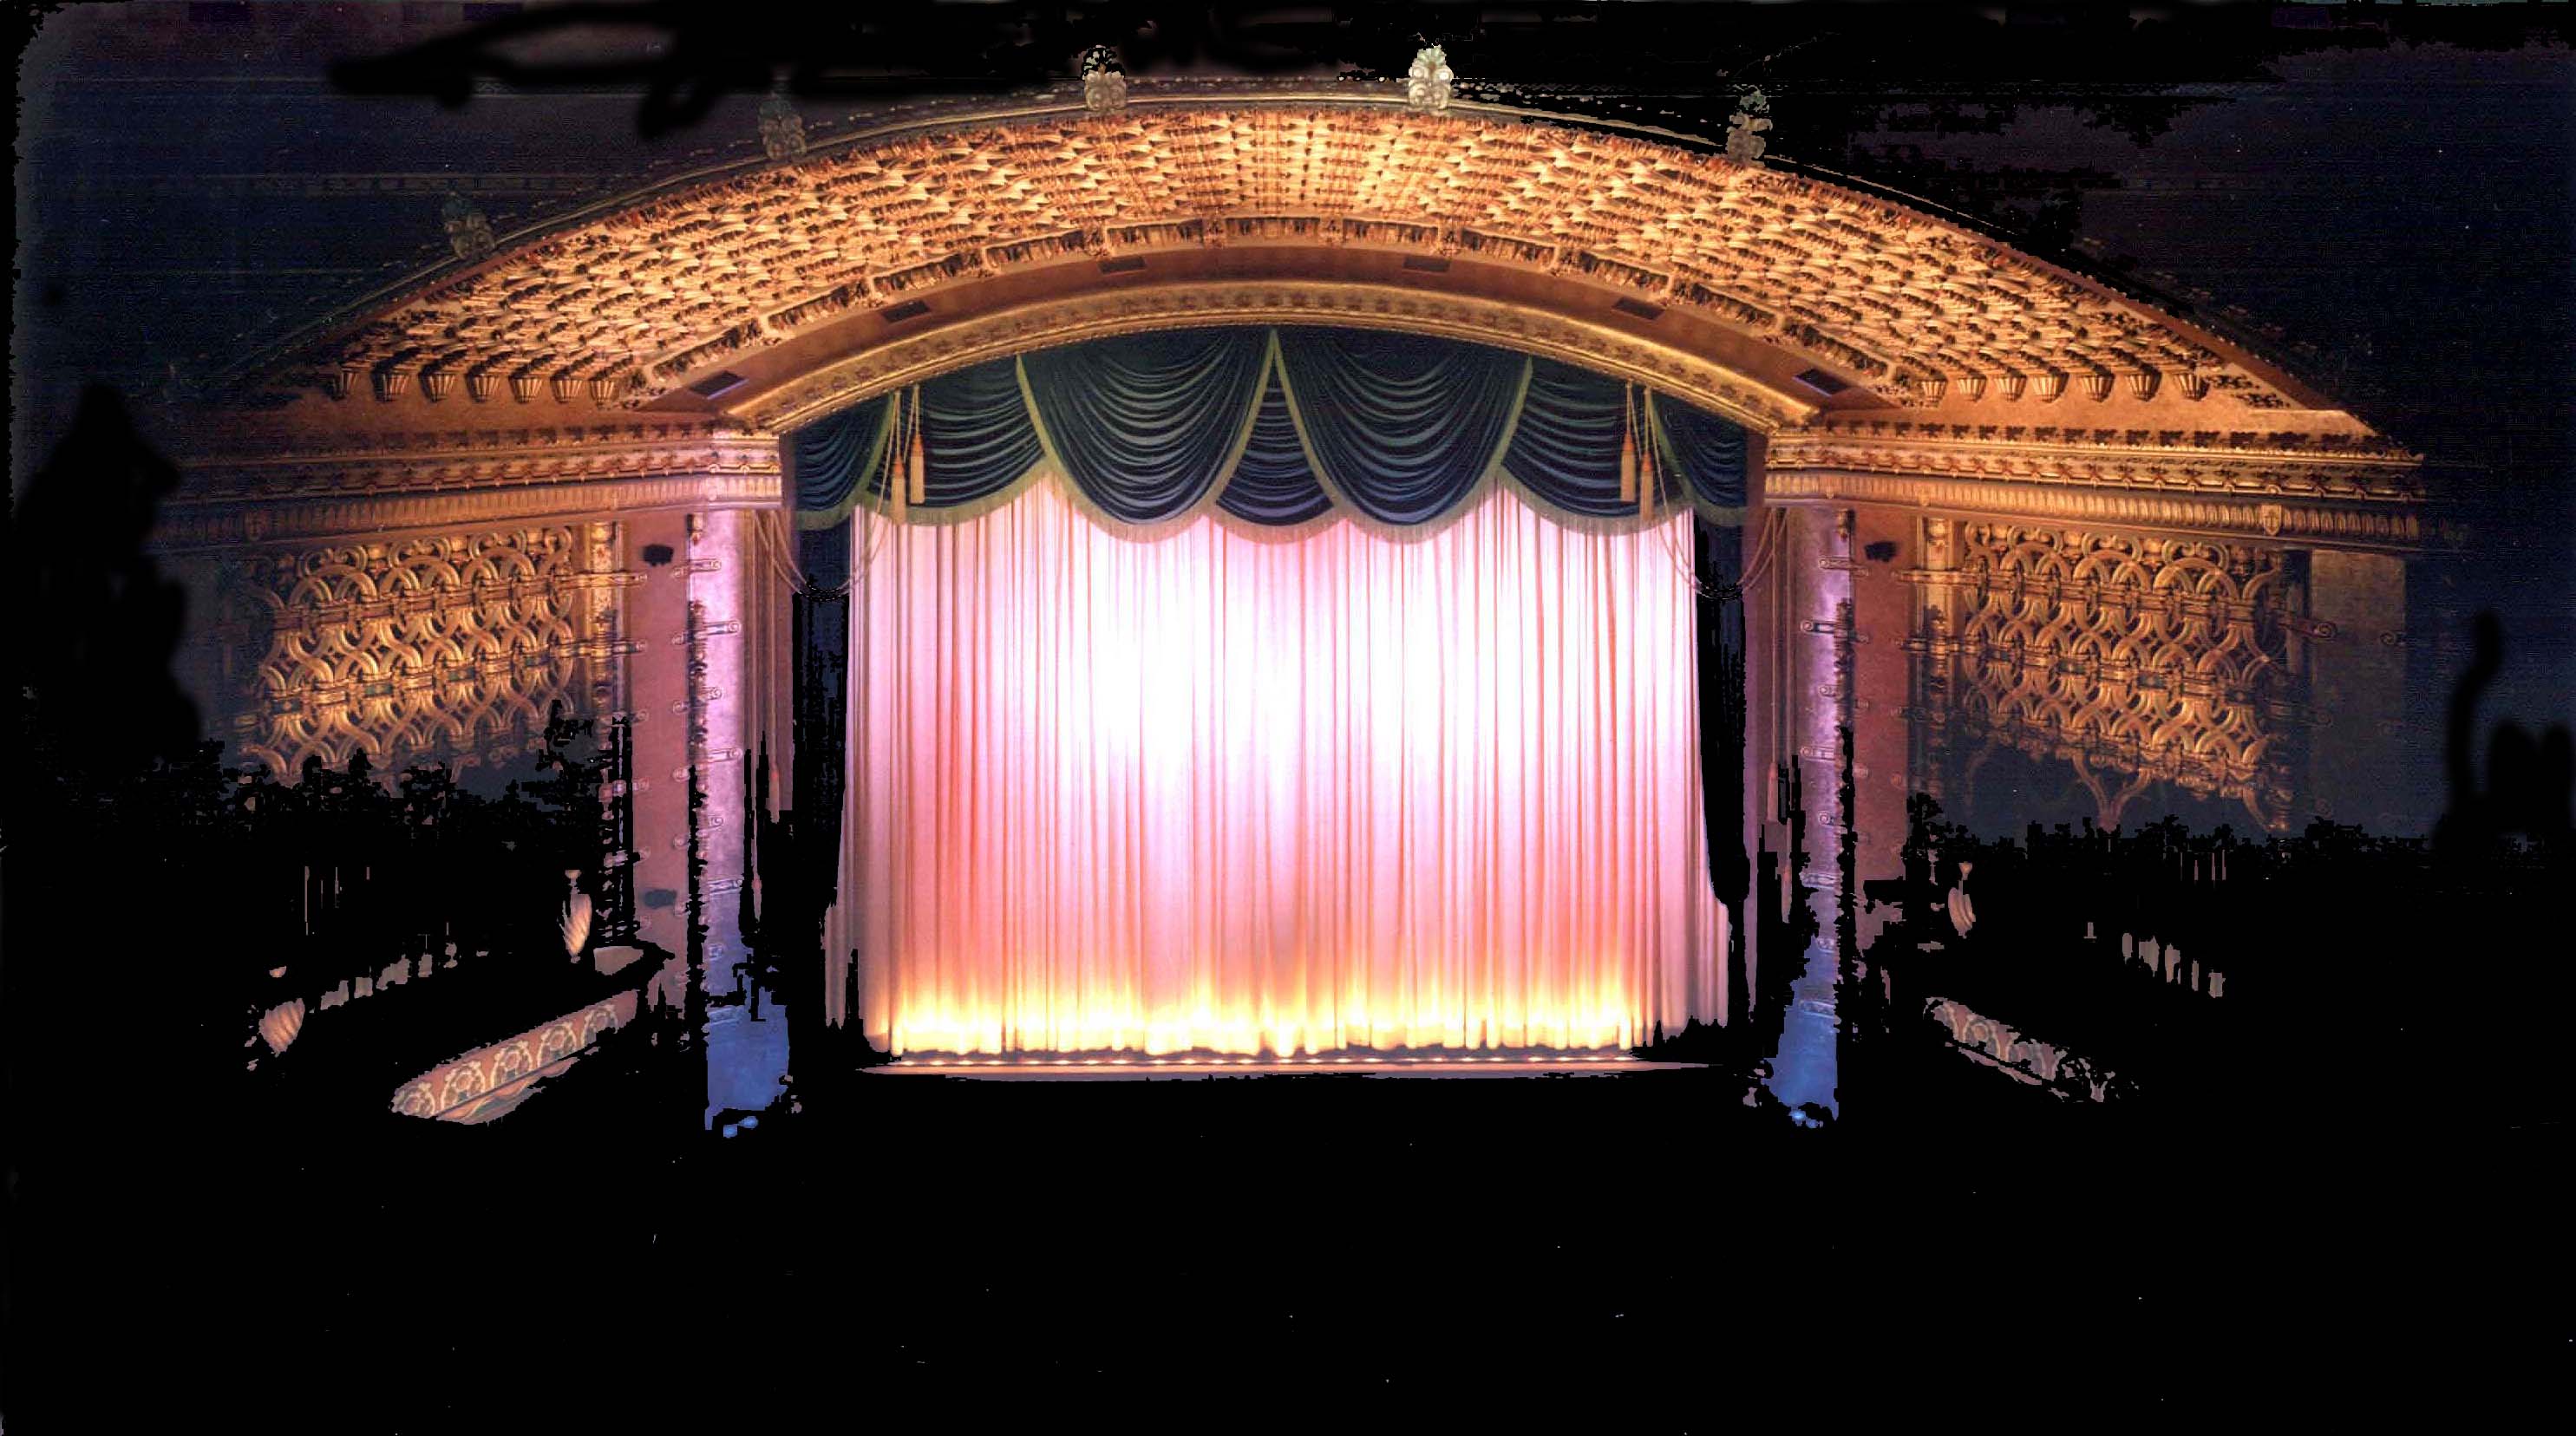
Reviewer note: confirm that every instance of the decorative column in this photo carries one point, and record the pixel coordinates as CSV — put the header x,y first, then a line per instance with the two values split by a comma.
x,y
1933,645
1811,584
1815,552
604,637
1884,545
746,1042
712,706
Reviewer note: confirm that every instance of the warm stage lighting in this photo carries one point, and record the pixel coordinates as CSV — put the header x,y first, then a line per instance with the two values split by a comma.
x,y
1264,800
1432,1064
1114,1033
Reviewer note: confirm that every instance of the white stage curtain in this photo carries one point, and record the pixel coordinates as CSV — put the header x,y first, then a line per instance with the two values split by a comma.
x,y
1234,794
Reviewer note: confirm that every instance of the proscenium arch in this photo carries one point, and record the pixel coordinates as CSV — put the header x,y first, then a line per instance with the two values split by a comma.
x,y
774,293
1051,324
643,354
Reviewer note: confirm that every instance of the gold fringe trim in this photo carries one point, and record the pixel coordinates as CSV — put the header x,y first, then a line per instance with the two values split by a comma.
x,y
858,495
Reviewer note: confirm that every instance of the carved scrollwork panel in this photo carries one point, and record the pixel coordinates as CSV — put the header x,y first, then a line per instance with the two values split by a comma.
x,y
448,647
2138,659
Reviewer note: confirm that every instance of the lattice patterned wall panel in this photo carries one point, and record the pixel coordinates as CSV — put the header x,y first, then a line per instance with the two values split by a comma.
x,y
2138,659
449,647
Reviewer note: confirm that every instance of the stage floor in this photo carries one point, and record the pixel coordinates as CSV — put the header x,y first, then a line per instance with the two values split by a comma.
x,y
1095,1069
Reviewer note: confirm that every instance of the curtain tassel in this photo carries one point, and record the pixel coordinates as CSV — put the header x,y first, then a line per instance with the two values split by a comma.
x,y
920,467
1646,485
897,488
1628,465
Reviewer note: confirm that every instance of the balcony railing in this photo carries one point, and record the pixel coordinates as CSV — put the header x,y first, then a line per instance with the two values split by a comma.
x,y
2204,968
400,924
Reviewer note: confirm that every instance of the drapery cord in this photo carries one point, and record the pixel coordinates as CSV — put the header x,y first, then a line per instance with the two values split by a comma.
x,y
882,512
1663,466
1763,548
777,537
771,525
1686,565
829,462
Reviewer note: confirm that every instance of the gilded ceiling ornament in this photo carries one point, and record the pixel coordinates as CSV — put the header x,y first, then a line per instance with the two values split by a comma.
x,y
782,130
1427,85
1104,81
1744,142
469,230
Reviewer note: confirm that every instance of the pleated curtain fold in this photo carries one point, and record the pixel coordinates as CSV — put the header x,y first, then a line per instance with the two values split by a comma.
x,y
1274,429
1233,792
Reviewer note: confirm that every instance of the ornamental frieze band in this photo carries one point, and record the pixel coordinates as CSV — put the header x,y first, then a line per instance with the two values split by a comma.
x,y
2387,527
2186,473
187,528
911,361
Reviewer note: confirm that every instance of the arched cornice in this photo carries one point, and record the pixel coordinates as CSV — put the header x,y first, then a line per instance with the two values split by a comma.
x,y
627,305
1345,305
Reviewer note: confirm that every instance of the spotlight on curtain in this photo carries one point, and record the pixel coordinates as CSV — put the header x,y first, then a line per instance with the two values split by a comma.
x,y
1251,692
1216,793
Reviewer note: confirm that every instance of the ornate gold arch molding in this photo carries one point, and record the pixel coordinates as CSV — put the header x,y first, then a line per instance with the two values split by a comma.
x,y
1894,357
630,305
1363,306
